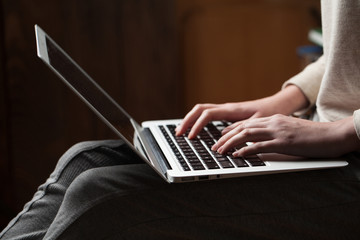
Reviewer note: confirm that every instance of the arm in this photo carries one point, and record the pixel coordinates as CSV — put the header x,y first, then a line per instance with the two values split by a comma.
x,y
309,81
279,133
286,102
293,136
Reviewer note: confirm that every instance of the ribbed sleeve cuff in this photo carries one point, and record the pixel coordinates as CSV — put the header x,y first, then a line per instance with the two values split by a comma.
x,y
357,122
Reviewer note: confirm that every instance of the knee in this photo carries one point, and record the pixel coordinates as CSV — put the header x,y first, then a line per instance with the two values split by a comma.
x,y
81,147
90,145
88,186
98,183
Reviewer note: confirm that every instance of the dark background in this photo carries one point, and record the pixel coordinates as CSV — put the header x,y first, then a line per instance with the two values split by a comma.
x,y
157,58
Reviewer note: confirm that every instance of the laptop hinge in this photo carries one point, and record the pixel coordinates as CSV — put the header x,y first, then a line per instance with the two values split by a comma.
x,y
156,150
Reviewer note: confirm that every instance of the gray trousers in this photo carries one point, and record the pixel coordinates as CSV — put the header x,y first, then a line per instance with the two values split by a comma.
x,y
101,190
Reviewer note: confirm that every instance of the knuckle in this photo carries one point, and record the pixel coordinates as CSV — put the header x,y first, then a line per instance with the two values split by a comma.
x,y
198,106
246,133
278,118
207,113
245,125
241,126
202,107
237,129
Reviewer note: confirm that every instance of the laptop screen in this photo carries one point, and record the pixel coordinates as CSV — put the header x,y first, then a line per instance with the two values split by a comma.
x,y
90,92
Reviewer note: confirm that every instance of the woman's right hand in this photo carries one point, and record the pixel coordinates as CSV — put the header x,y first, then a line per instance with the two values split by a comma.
x,y
284,102
201,114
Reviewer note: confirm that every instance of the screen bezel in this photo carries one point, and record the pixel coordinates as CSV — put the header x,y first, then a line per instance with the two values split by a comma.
x,y
42,52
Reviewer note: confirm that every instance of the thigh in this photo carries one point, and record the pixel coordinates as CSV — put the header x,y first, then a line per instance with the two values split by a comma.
x,y
33,221
130,202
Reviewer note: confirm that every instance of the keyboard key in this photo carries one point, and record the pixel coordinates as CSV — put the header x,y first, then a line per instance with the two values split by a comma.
x,y
255,161
222,159
212,165
186,168
200,167
207,158
239,162
197,163
226,164
213,131
193,160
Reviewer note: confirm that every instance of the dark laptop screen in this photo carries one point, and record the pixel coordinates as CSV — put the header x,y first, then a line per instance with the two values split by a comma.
x,y
90,92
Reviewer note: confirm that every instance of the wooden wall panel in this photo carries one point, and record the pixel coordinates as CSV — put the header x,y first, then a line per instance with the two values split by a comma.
x,y
127,46
153,65
234,50
6,197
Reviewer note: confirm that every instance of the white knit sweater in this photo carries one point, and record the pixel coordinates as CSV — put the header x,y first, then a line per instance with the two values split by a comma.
x,y
333,82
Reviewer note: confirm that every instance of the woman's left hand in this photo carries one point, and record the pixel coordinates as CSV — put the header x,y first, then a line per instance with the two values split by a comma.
x,y
289,135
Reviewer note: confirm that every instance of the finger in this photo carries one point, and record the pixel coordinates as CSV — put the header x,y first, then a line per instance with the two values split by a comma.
x,y
231,127
241,126
191,117
247,135
234,125
226,137
256,148
206,116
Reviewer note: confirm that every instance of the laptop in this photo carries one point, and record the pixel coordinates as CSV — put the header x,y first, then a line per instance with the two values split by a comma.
x,y
174,158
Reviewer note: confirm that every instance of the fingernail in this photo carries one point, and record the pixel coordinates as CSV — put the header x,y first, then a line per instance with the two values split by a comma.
x,y
220,150
214,147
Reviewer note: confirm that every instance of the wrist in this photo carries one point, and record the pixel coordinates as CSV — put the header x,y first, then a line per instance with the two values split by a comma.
x,y
350,139
290,100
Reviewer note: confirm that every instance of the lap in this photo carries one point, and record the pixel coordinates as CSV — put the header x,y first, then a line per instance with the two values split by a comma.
x,y
129,201
123,200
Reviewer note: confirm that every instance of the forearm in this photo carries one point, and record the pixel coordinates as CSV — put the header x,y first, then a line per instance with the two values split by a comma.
x,y
289,100
309,80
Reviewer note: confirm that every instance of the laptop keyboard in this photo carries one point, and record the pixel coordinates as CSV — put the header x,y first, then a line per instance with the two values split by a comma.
x,y
196,154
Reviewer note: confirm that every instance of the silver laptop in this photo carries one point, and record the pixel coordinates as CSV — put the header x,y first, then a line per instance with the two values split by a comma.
x,y
174,158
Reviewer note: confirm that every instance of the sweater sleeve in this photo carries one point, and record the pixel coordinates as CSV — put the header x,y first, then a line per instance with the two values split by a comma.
x,y
309,80
357,122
